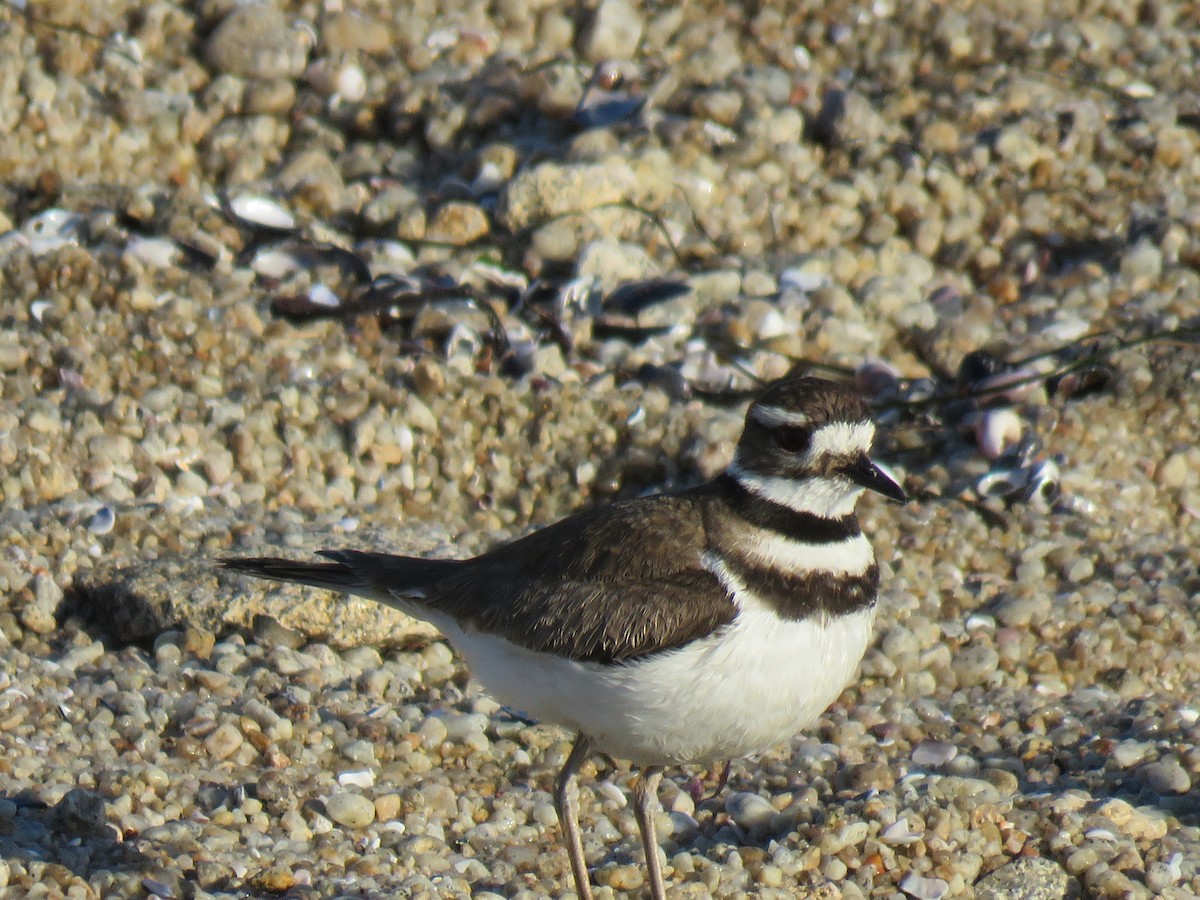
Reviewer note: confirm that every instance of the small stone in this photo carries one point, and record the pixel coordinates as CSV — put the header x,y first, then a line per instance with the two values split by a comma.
x,y
269,632
612,32
350,810
12,353
622,878
80,812
975,664
347,32
934,753
551,190
276,879
457,223
39,615
848,118
1174,471
256,41
1142,262
224,741
460,726
750,811
1030,878
198,642
1167,776
1016,146
429,377
387,807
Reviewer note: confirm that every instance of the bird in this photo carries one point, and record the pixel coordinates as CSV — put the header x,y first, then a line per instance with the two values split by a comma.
x,y
688,627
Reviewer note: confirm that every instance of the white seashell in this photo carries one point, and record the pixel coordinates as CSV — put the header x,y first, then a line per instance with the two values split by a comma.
x,y
900,833
363,778
263,212
1044,483
102,520
1174,865
934,753
158,252
463,341
923,888
580,294
442,39
1139,90
351,83
802,281
1012,386
980,622
1001,482
997,431
493,274
405,439
719,135
323,295
613,793
52,229
488,180
274,263
773,325
1099,834
1066,330
38,309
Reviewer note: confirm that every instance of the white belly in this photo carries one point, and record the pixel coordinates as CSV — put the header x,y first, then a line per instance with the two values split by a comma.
x,y
744,690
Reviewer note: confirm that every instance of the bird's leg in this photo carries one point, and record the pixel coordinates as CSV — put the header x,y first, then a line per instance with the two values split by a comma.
x,y
566,804
722,780
645,801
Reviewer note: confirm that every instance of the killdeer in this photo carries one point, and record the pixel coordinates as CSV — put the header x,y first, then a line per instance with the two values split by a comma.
x,y
689,627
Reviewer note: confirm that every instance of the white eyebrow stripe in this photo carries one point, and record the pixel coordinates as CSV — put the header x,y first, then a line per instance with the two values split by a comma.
x,y
842,439
774,416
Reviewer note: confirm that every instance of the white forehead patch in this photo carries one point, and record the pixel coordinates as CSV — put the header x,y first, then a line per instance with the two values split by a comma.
x,y
842,439
774,416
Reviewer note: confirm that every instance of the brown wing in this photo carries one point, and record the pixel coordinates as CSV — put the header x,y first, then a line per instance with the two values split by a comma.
x,y
606,585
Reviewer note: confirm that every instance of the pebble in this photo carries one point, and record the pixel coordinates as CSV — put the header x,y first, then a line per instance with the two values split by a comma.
x,y
933,753
923,888
350,810
613,31
1031,878
1167,776
750,811
255,40
224,741
457,223
550,190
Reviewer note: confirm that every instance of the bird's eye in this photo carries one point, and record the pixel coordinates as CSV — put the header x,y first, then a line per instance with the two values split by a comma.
x,y
792,438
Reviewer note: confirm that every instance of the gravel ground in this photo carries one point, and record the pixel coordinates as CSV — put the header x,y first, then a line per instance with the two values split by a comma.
x,y
885,187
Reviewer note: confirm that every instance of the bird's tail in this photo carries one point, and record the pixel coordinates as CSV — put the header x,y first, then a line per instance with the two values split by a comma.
x,y
380,576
